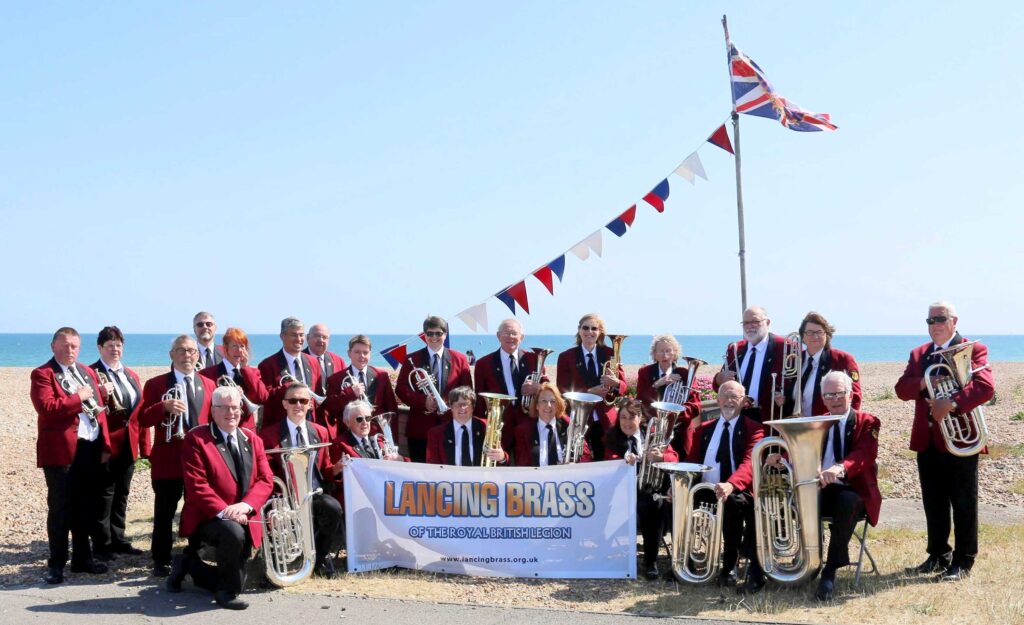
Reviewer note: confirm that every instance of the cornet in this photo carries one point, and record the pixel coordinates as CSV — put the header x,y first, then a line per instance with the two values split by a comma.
x,y
116,405
287,378
421,380
348,382
175,423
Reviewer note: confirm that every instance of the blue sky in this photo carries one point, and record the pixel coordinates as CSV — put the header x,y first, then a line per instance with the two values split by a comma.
x,y
365,164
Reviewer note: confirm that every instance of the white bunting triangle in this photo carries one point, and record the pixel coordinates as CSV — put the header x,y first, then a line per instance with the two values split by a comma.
x,y
475,316
690,168
594,242
581,250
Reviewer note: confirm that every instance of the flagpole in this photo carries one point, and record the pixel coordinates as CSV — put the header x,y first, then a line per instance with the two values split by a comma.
x,y
739,183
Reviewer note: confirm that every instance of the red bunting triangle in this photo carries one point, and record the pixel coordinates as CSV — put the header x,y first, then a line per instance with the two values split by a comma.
x,y
721,138
518,293
655,201
544,275
629,215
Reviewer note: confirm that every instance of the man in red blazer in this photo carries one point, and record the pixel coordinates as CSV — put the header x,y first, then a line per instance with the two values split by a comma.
x,y
948,482
73,445
122,394
753,368
460,441
235,365
449,369
318,340
205,327
505,371
652,380
581,369
289,360
357,380
227,481
356,441
297,431
157,412
725,444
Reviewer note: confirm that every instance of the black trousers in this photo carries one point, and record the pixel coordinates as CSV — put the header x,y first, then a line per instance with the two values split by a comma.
x,y
950,484
231,540
844,505
738,532
595,439
167,495
73,503
117,481
327,522
652,517
417,449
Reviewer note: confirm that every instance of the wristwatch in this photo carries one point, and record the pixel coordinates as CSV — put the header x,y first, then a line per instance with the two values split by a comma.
x,y
953,406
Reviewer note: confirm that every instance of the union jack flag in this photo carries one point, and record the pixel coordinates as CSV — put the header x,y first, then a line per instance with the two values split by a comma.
x,y
753,94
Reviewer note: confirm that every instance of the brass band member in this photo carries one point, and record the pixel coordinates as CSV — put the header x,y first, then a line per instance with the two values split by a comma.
x,y
652,380
948,482
290,360
725,445
626,440
818,359
355,440
460,441
358,380
541,440
205,328
319,340
752,361
235,365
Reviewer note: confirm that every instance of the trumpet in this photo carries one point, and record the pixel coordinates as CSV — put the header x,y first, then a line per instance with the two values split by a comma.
x,y
89,406
492,433
611,367
348,382
383,421
696,529
287,378
252,408
175,423
964,434
542,354
678,392
581,406
659,435
116,405
421,380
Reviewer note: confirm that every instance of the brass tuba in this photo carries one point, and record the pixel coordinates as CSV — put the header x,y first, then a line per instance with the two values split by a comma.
x,y
581,406
965,434
788,528
288,548
542,354
696,530
421,380
611,367
492,433
660,428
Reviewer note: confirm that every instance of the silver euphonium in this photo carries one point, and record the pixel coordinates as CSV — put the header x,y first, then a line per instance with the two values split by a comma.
x,y
542,354
660,428
252,408
289,551
788,527
421,380
792,368
383,421
287,378
174,424
965,434
89,406
581,406
696,529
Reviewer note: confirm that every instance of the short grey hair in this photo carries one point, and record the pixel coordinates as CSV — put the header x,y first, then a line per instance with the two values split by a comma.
x,y
226,392
352,406
666,338
291,322
949,308
181,338
840,376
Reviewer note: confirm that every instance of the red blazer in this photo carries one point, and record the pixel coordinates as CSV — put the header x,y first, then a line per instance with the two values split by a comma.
x,y
378,390
489,377
860,441
277,436
334,364
252,385
345,445
573,376
977,392
271,369
734,354
831,360
455,372
57,414
441,442
527,442
166,458
124,428
210,484
747,433
616,446
686,422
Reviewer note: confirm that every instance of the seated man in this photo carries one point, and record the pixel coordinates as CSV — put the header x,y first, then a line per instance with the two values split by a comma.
x,y
297,431
227,481
466,429
725,444
355,441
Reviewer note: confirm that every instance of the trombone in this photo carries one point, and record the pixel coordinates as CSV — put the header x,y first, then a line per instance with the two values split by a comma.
x,y
792,369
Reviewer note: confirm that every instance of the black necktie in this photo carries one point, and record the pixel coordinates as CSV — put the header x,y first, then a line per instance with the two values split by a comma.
x,y
209,357
513,374
467,457
236,457
362,380
298,369
368,449
552,447
591,366
632,445
300,440
748,375
806,374
193,411
435,368
322,389
238,377
837,442
724,455
121,389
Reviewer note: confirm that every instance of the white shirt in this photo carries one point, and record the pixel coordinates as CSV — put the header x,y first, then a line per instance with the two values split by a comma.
x,y
506,369
458,440
542,450
121,376
440,364
714,476
755,381
597,366
830,459
639,443
807,397
229,369
179,377
294,428
86,429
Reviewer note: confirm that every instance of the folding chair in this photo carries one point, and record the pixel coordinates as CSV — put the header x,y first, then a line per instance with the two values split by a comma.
x,y
860,532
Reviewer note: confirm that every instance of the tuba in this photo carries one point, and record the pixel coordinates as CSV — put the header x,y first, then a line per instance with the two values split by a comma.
x,y
252,408
581,406
542,354
792,368
175,423
659,433
965,434
679,392
492,433
383,421
421,380
788,528
611,367
696,529
288,548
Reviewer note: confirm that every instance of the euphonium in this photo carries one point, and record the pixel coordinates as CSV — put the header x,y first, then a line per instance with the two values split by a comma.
x,y
116,405
287,378
660,428
788,528
175,423
965,434
581,406
678,392
542,354
289,551
792,368
496,403
611,367
383,421
421,380
696,529
252,408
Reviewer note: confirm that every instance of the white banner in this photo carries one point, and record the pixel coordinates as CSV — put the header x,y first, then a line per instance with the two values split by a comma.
x,y
568,521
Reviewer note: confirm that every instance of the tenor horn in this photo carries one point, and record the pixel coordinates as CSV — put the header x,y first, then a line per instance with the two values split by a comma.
x,y
611,367
659,434
965,434
256,410
496,403
421,380
696,529
581,406
542,353
383,421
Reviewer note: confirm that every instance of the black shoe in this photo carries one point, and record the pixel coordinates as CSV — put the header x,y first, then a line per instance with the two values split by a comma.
x,y
826,589
54,575
104,555
229,600
933,564
726,578
161,570
651,572
92,567
325,569
125,548
954,573
755,582
176,577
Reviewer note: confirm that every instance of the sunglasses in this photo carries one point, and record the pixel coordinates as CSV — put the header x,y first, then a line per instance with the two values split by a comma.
x,y
833,395
297,400
361,419
434,333
204,324
590,328
936,319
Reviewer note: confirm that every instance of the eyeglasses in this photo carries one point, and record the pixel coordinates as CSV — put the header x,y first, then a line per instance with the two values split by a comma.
x,y
936,319
205,324
511,333
590,328
297,400
834,395
361,419
434,333
814,333
186,350
229,407
753,322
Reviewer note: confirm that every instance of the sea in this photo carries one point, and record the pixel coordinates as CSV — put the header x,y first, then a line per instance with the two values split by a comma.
x,y
31,350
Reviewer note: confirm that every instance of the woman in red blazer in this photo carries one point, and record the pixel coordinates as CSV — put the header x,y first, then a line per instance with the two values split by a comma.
x,y
652,381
